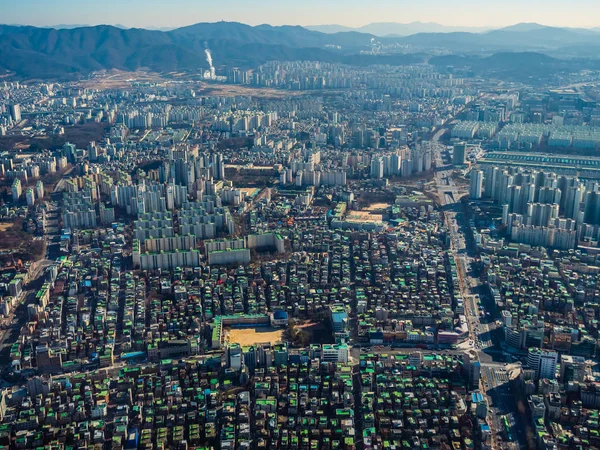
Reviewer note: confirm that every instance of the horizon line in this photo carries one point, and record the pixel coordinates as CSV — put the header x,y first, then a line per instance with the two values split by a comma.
x,y
160,28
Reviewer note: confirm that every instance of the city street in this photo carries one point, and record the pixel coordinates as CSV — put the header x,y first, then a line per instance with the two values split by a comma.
x,y
18,316
494,374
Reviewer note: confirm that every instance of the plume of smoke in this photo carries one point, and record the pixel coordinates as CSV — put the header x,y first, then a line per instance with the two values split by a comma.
x,y
212,72
209,58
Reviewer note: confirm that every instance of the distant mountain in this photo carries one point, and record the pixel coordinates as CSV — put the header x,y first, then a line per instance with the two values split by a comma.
x,y
397,29
543,37
160,28
406,29
61,26
523,26
389,29
47,53
329,29
520,37
524,66
65,26
70,26
536,27
496,61
32,52
291,36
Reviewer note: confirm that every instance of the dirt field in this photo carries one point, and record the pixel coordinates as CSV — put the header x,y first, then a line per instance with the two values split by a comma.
x,y
377,207
250,336
230,90
12,236
363,216
17,244
80,135
118,79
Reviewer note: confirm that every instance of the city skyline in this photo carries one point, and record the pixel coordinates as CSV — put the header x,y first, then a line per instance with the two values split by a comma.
x,y
351,13
223,237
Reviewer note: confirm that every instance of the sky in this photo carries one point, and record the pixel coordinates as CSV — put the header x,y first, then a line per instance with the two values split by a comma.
x,y
175,13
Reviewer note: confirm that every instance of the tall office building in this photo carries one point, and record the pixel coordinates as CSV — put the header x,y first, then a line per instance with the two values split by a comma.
x,y
549,195
476,184
501,190
218,167
491,178
460,154
15,112
543,362
16,190
527,196
170,197
541,213
592,207
514,197
39,188
574,197
377,168
30,196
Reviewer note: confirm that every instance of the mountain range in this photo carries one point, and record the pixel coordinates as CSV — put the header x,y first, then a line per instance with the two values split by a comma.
x,y
47,53
515,38
32,52
397,29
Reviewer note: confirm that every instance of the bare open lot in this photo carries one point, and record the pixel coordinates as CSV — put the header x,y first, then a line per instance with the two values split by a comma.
x,y
118,79
363,216
230,90
377,207
250,336
17,244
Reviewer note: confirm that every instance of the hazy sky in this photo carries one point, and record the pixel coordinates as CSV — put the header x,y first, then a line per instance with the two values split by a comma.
x,y
172,13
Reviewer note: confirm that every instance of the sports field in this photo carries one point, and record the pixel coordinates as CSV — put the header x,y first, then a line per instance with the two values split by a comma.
x,y
250,336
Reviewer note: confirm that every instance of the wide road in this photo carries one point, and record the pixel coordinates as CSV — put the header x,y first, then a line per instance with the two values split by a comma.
x,y
11,326
503,406
494,375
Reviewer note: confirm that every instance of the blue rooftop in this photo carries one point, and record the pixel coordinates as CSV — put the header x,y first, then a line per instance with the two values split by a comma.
x,y
339,316
476,397
280,315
